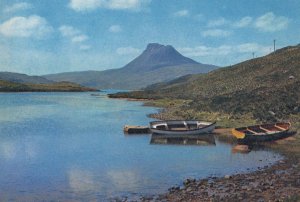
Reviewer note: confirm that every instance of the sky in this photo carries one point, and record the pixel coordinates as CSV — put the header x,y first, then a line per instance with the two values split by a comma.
x,y
50,36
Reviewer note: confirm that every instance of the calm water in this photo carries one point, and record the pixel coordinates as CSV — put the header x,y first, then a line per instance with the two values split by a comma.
x,y
70,146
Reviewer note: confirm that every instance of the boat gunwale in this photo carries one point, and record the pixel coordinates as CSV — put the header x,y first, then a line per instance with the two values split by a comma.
x,y
268,132
180,131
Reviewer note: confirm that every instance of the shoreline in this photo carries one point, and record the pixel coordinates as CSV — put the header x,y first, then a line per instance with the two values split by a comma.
x,y
279,182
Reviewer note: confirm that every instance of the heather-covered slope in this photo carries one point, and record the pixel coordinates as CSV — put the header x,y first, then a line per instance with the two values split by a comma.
x,y
266,87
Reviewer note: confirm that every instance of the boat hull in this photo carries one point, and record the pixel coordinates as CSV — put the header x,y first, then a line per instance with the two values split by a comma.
x,y
264,138
179,133
262,133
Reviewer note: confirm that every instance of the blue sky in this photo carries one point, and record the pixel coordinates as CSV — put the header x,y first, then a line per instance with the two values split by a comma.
x,y
41,37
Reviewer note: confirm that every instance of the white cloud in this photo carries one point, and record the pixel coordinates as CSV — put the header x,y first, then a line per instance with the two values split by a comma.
x,y
85,47
115,28
201,51
75,36
252,47
17,7
244,22
224,55
128,51
266,23
215,33
205,51
87,5
271,23
32,26
199,17
79,38
182,13
68,31
217,22
38,61
126,4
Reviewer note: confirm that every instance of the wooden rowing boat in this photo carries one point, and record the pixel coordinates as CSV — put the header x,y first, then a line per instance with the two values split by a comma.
x,y
262,133
181,128
128,129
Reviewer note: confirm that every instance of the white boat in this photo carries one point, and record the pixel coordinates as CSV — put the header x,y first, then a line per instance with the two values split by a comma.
x,y
180,128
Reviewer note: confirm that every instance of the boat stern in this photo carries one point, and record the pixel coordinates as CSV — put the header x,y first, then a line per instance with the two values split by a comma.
x,y
238,134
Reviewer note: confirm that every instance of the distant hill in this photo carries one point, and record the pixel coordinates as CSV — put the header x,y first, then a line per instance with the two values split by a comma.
x,y
265,87
23,78
7,86
157,56
157,63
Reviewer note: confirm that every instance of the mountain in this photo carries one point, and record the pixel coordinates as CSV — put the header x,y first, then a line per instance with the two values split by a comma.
x,y
157,56
267,88
23,78
157,63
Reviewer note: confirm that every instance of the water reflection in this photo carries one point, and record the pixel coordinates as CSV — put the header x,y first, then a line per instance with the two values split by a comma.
x,y
107,183
83,181
203,139
123,179
67,146
8,150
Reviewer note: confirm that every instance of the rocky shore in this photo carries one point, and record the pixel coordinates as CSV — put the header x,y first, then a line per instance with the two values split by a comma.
x,y
280,182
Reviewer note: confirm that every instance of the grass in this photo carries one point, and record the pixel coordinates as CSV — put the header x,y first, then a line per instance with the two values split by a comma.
x,y
180,109
6,86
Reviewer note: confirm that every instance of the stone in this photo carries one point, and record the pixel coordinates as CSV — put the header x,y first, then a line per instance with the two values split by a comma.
x,y
244,187
227,176
291,77
188,181
189,189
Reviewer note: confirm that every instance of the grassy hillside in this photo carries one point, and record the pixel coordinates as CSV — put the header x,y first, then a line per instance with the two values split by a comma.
x,y
7,86
264,89
23,78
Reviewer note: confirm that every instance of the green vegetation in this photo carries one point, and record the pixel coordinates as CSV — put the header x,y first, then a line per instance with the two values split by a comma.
x,y
6,86
181,109
259,90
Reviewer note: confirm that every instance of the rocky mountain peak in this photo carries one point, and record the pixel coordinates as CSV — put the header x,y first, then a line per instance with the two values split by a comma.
x,y
155,56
